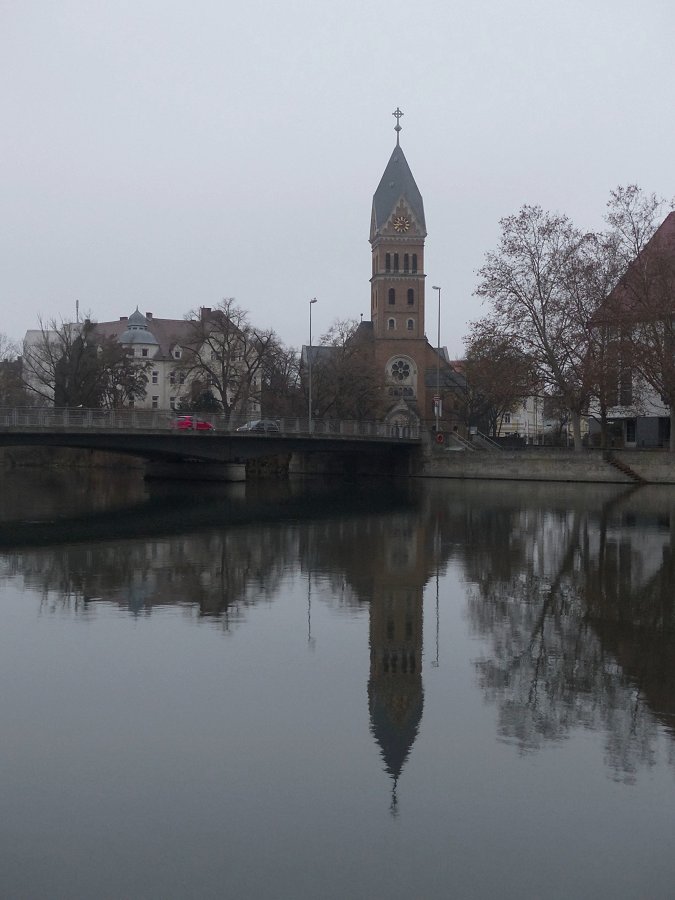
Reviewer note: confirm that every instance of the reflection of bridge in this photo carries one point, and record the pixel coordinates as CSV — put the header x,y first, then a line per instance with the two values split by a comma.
x,y
151,435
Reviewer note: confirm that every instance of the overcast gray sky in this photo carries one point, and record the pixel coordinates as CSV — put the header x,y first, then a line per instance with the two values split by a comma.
x,y
168,154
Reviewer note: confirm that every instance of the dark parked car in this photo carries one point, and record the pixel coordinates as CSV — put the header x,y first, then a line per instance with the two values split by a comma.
x,y
260,425
190,423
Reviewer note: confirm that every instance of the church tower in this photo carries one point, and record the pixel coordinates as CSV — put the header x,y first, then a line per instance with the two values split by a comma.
x,y
397,233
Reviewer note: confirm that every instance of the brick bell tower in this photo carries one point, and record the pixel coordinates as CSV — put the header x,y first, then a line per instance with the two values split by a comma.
x,y
400,349
397,233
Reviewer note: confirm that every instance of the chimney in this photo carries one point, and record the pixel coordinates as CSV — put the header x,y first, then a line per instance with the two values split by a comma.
x,y
123,318
148,315
206,312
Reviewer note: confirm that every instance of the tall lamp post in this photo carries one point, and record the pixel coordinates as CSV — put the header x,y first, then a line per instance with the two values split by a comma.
x,y
438,361
309,361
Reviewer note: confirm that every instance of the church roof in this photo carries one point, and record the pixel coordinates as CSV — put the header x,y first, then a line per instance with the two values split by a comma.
x,y
450,377
318,353
397,183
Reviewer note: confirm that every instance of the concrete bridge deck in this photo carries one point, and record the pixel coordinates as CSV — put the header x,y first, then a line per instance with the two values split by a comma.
x,y
153,436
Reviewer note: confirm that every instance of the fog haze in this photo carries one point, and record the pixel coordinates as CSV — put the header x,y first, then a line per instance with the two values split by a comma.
x,y
166,155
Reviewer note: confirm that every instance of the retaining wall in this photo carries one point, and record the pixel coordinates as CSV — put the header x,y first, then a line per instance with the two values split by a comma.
x,y
544,464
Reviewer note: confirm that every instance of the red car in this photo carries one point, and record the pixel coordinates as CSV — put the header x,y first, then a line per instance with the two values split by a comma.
x,y
190,423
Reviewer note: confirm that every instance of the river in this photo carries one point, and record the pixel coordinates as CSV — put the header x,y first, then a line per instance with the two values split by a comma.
x,y
335,690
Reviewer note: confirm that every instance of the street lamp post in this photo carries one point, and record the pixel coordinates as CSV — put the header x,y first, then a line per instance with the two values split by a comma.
x,y
309,362
438,361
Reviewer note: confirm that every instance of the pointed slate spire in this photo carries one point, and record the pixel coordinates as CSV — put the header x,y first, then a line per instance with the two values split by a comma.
x,y
396,184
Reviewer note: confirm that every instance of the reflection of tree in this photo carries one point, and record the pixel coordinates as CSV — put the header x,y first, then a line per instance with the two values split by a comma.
x,y
218,573
630,596
214,551
370,549
575,640
572,590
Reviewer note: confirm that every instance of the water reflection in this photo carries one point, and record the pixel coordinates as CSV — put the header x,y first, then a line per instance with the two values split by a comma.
x,y
579,619
569,589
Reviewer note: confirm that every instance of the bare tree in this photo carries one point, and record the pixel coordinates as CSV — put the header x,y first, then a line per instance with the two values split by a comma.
x,y
12,389
226,356
68,365
54,361
591,273
529,280
643,302
633,216
498,377
122,378
8,348
344,378
281,388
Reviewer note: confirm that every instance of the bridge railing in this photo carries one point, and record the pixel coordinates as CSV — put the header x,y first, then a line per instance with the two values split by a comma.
x,y
165,420
49,417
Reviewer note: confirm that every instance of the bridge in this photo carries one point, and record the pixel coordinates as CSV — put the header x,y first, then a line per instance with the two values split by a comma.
x,y
152,435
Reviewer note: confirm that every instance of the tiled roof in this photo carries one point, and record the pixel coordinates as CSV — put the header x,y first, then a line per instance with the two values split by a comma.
x,y
625,297
167,333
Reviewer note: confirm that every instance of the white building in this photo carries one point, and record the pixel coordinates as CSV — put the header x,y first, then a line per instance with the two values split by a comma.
x,y
159,344
525,421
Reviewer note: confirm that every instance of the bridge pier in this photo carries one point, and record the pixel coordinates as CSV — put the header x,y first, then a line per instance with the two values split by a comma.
x,y
352,464
195,471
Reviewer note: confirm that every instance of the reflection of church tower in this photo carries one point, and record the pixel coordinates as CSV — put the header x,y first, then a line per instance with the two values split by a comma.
x,y
395,692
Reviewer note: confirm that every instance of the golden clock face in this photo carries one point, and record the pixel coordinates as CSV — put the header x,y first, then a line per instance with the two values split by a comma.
x,y
401,223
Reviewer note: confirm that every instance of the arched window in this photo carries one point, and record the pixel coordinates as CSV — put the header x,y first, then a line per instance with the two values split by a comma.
x,y
406,262
395,262
411,324
414,262
392,296
391,324
387,262
411,297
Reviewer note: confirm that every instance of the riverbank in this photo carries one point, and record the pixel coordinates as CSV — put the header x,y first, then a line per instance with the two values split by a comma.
x,y
531,464
552,464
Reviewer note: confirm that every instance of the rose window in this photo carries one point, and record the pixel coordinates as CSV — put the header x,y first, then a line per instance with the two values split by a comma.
x,y
400,370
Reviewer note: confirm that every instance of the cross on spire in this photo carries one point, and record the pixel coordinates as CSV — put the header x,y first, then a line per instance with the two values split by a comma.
x,y
397,113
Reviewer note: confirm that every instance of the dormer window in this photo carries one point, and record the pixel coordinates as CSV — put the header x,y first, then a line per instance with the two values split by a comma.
x,y
176,354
